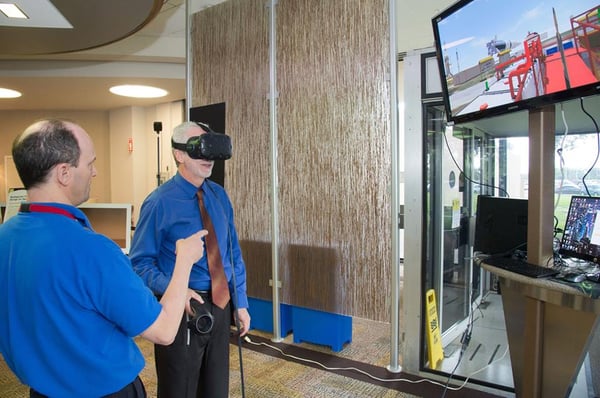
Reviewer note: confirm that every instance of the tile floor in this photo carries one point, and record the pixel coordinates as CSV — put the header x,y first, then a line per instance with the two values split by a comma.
x,y
487,358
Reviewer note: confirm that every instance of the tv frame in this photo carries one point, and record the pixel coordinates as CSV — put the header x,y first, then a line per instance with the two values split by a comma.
x,y
508,107
567,251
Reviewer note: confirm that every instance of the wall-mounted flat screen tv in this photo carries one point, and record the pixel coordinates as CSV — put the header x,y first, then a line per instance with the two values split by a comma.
x,y
499,56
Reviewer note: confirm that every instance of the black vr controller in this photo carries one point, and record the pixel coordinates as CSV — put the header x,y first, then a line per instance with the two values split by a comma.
x,y
208,146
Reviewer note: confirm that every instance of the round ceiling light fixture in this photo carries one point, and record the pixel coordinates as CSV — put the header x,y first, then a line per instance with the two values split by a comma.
x,y
8,93
138,91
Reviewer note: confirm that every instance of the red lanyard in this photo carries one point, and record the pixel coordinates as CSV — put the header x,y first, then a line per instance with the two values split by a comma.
x,y
38,208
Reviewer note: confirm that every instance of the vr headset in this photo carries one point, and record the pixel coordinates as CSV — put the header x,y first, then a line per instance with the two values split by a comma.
x,y
208,146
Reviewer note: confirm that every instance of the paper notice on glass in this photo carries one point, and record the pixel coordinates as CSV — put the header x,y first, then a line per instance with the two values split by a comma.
x,y
13,202
455,213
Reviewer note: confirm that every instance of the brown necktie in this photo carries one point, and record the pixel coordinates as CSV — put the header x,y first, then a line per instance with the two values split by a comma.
x,y
219,286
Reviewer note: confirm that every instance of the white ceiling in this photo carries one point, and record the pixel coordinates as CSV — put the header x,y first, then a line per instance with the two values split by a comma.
x,y
152,52
41,14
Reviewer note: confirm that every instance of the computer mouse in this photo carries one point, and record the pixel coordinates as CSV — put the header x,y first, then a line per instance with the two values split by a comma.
x,y
574,277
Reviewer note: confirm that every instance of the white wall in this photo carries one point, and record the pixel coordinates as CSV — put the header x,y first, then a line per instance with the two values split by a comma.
x,y
122,177
415,31
94,122
134,175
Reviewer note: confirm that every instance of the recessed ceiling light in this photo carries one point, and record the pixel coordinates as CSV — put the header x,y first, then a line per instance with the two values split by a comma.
x,y
12,11
137,91
8,93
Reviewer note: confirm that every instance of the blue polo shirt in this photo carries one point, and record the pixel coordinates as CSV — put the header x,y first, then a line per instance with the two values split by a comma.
x,y
170,213
70,306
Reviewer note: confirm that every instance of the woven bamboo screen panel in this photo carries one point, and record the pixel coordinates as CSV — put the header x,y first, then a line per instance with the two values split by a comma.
x,y
333,144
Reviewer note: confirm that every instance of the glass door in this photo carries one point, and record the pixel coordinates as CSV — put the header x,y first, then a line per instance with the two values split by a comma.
x,y
449,218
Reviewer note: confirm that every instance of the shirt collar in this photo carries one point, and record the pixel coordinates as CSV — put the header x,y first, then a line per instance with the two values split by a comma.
x,y
189,188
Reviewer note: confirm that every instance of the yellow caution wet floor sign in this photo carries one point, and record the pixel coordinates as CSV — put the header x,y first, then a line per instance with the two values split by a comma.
x,y
434,337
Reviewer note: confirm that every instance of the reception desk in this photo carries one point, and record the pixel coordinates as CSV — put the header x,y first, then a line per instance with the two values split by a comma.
x,y
549,326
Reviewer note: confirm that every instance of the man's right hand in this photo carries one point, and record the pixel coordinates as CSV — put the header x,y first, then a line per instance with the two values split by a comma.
x,y
192,295
175,300
191,249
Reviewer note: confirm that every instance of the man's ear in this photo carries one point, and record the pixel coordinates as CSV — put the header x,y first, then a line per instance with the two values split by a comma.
x,y
178,155
64,173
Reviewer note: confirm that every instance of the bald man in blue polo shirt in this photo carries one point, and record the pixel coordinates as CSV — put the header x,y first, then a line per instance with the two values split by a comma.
x,y
70,303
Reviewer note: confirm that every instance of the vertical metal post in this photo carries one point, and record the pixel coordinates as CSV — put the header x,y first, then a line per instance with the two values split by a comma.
x,y
157,129
395,192
274,178
188,62
158,158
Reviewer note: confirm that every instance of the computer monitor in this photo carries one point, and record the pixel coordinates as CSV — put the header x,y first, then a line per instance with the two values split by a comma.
x,y
581,236
112,220
500,225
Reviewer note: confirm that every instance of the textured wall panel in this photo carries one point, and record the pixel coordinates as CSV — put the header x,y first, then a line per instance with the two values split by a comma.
x,y
230,64
334,154
333,144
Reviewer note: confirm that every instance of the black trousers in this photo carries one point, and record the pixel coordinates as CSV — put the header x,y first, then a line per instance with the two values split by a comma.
x,y
196,366
135,389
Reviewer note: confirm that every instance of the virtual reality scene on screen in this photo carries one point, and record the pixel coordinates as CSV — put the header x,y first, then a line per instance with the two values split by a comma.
x,y
498,54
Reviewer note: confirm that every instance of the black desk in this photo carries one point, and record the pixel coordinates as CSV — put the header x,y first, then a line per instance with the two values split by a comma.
x,y
549,326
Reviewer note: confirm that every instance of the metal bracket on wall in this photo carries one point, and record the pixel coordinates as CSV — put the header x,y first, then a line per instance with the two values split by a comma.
x,y
278,283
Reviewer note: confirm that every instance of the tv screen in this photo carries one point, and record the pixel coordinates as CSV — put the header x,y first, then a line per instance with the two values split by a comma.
x,y
499,56
500,225
581,235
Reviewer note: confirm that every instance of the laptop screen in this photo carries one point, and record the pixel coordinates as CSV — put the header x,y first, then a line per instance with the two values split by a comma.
x,y
581,235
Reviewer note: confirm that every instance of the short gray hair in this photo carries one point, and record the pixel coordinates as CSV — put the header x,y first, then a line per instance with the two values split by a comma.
x,y
180,130
179,135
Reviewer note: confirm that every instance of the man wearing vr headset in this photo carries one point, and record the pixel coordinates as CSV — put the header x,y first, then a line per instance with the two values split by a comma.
x,y
197,363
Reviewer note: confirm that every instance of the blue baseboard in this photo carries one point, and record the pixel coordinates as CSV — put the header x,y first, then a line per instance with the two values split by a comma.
x,y
322,328
261,314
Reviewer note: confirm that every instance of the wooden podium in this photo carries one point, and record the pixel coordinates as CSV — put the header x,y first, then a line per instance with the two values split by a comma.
x,y
550,326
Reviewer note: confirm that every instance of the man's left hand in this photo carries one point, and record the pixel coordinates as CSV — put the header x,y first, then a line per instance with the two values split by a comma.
x,y
243,318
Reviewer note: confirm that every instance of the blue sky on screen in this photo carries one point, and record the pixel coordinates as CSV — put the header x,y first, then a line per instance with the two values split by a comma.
x,y
465,33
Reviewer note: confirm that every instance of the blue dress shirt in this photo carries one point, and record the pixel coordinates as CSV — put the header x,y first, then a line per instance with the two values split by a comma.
x,y
170,213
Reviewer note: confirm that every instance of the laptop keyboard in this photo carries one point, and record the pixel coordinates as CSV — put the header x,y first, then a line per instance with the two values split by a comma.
x,y
520,266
